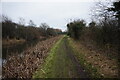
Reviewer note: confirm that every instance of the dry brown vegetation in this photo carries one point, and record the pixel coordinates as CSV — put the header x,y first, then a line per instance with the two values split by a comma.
x,y
106,66
25,64
12,42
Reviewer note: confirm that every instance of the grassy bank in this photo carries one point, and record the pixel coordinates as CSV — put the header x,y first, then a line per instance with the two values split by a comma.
x,y
81,58
44,70
25,64
97,64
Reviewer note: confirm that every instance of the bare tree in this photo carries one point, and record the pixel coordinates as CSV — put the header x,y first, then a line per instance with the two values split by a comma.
x,y
6,19
21,21
31,23
100,12
44,26
8,27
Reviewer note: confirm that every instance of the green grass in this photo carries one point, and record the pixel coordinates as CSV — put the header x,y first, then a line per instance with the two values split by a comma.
x,y
57,64
43,71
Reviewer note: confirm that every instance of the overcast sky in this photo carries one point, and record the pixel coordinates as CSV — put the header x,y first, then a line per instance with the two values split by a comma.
x,y
55,13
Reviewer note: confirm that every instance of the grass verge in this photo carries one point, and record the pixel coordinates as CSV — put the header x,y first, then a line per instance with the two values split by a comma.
x,y
94,73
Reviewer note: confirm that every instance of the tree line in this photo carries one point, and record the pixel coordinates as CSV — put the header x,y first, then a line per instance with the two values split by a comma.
x,y
105,32
19,30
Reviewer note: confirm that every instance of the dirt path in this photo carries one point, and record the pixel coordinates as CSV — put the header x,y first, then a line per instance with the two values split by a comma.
x,y
79,69
63,64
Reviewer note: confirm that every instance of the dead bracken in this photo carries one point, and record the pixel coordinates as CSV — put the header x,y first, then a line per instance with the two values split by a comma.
x,y
25,64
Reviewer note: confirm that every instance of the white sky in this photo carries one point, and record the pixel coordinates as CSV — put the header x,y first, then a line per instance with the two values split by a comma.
x,y
51,0
56,13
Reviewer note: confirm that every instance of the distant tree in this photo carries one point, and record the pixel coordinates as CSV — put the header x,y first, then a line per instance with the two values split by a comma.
x,y
21,21
21,32
31,23
43,28
75,28
32,33
6,19
51,32
8,27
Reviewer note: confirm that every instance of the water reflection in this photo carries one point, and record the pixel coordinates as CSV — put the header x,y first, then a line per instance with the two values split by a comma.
x,y
13,49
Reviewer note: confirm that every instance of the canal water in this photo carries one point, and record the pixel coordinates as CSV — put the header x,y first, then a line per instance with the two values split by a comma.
x,y
17,49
